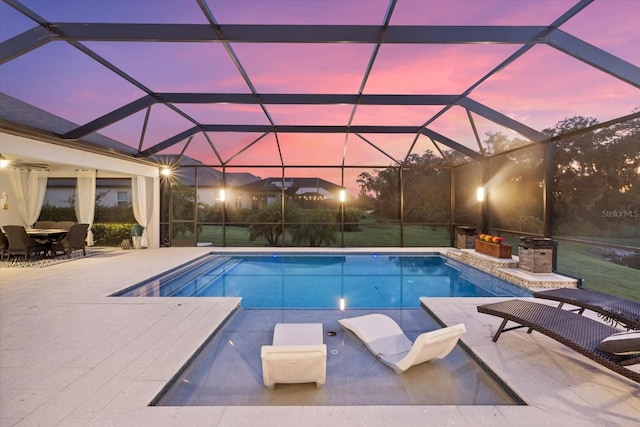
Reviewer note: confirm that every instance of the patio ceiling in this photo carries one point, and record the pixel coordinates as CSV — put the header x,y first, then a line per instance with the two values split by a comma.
x,y
224,82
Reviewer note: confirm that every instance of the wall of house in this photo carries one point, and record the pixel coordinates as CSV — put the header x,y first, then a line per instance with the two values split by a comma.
x,y
58,196
8,211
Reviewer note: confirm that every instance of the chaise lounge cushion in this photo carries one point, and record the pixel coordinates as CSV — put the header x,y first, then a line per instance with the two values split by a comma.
x,y
621,343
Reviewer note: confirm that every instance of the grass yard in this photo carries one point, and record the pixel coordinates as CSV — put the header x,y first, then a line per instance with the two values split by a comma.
x,y
598,274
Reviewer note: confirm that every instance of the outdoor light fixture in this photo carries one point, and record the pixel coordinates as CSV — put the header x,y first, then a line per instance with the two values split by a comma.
x,y
3,161
480,194
342,304
342,196
165,171
223,195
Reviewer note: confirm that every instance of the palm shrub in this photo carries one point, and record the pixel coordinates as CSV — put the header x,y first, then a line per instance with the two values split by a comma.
x,y
315,227
267,224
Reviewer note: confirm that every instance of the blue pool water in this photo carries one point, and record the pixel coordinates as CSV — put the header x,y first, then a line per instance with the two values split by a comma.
x,y
321,281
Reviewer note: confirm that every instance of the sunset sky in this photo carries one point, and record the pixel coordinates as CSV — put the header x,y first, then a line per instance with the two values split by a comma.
x,y
539,89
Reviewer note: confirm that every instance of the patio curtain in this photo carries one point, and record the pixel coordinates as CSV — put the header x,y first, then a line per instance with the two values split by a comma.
x,y
29,187
85,201
142,203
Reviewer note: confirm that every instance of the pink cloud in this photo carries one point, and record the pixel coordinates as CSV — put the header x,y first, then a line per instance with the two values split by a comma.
x,y
297,68
485,12
436,69
609,25
303,12
546,86
310,114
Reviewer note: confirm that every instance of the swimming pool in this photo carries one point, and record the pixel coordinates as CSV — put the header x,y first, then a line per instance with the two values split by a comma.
x,y
325,281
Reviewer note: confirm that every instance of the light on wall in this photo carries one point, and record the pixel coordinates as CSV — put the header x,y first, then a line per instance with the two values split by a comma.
x,y
342,195
480,194
3,161
223,195
165,171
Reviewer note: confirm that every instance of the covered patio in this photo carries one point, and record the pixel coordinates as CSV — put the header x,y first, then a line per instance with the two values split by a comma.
x,y
43,156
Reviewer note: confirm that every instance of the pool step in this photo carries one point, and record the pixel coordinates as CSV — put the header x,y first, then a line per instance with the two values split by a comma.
x,y
176,282
194,279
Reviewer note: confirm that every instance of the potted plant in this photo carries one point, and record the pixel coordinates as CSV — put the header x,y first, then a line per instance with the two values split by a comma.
x,y
136,234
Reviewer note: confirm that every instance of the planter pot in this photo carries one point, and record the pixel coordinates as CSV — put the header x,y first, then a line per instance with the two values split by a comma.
x,y
496,250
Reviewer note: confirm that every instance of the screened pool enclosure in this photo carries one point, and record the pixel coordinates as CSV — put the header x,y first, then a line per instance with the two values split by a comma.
x,y
343,123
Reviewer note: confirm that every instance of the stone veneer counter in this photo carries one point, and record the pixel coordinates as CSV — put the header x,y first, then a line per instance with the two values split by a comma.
x,y
507,269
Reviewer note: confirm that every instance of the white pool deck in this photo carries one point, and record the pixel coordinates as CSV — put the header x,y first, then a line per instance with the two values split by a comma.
x,y
72,356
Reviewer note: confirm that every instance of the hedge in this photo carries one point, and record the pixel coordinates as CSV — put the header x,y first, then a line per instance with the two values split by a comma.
x,y
111,234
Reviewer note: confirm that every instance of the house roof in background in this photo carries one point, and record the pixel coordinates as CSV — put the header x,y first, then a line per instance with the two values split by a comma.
x,y
292,184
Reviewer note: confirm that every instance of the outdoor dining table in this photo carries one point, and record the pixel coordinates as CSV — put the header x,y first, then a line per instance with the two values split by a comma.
x,y
48,235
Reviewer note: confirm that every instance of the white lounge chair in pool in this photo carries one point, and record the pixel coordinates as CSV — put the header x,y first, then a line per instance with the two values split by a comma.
x,y
384,338
296,356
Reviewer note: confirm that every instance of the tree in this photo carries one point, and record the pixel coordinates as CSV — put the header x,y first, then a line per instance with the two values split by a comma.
x,y
596,178
426,189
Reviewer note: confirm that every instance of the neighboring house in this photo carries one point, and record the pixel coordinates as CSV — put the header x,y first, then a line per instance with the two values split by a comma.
x,y
209,180
306,192
113,191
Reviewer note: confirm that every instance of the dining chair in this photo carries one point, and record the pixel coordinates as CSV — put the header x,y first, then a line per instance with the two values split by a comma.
x,y
74,240
44,224
4,245
20,243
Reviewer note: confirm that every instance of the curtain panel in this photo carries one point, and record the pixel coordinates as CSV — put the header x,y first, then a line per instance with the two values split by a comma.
x,y
142,203
29,187
85,200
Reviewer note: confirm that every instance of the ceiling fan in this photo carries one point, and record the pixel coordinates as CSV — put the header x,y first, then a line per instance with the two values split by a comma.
x,y
17,163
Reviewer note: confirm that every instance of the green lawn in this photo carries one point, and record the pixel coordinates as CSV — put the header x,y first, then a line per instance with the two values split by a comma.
x,y
597,273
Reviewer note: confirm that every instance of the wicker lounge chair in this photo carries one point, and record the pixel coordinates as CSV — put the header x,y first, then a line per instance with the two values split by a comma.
x,y
579,333
614,309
